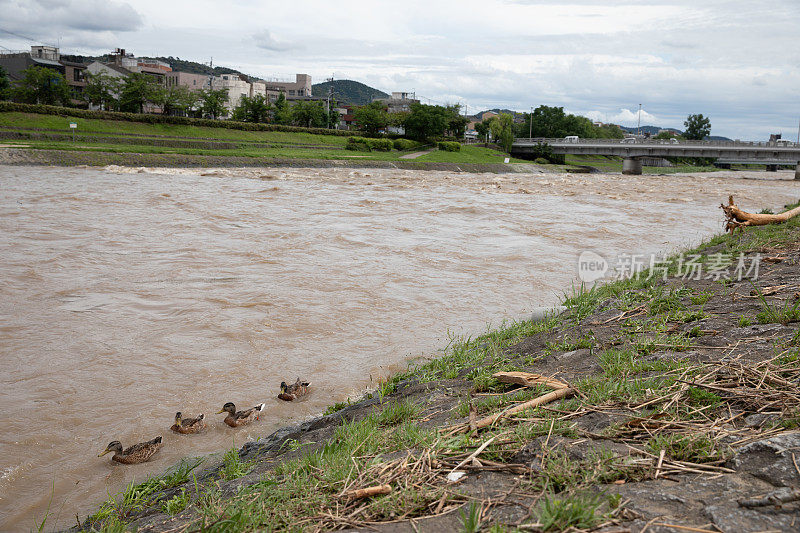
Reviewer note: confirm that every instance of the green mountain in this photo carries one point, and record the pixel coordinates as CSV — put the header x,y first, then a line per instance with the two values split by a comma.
x,y
347,91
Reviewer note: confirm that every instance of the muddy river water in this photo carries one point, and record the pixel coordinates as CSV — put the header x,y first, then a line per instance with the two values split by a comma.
x,y
129,294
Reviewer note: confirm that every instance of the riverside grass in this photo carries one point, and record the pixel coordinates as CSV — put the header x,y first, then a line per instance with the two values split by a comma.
x,y
673,419
252,144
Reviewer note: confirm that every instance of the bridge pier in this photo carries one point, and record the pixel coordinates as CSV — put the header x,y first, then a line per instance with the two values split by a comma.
x,y
632,165
797,171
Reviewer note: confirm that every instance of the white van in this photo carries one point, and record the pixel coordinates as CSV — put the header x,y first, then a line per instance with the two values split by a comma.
x,y
784,142
571,139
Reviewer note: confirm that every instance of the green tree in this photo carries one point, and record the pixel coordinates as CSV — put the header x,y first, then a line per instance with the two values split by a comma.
x,y
502,128
282,113
255,109
103,90
170,99
137,90
456,123
697,127
433,121
40,85
371,118
482,129
189,102
5,85
553,122
309,114
665,135
212,102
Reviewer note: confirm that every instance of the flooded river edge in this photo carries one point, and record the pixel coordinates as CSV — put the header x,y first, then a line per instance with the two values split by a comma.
x,y
131,293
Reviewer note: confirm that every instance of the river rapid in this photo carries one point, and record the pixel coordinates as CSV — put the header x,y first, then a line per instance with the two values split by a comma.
x,y
129,294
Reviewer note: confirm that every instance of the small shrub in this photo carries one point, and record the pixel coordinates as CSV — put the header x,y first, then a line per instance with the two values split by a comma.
x,y
358,144
449,146
380,145
405,144
541,161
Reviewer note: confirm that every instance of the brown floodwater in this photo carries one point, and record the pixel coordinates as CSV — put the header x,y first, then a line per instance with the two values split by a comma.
x,y
129,294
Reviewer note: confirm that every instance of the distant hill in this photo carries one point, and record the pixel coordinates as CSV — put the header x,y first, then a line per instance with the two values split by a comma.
x,y
479,116
348,92
653,130
193,67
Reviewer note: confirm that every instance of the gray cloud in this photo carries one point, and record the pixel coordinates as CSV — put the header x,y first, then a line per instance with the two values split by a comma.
x,y
266,41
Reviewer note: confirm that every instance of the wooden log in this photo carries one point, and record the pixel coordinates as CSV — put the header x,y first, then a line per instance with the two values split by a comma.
x,y
541,400
736,218
528,379
368,492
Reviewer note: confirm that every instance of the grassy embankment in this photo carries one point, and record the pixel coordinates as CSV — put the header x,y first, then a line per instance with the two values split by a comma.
x,y
131,137
613,164
656,357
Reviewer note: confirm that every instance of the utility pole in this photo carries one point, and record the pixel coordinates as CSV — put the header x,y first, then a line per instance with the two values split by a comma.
x,y
530,124
330,93
639,122
798,132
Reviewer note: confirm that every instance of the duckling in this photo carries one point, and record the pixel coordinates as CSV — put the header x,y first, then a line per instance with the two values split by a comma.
x,y
138,453
294,391
239,418
188,425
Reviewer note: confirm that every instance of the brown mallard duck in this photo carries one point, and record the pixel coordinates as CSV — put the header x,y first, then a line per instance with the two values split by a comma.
x,y
138,453
239,418
188,425
292,392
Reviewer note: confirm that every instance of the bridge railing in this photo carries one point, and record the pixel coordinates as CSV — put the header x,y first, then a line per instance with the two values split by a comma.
x,y
651,142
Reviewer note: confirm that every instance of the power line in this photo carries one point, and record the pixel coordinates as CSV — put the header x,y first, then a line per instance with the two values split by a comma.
x,y
23,36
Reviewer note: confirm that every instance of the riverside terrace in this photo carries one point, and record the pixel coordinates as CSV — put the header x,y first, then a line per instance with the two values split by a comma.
x,y
726,152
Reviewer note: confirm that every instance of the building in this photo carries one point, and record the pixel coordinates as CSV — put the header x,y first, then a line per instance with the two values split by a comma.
x,y
399,102
299,88
194,82
15,62
237,86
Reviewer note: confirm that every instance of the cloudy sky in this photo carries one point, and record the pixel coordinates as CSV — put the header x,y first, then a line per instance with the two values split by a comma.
x,y
737,62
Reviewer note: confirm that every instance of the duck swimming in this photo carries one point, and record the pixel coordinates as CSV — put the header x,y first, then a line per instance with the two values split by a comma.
x,y
138,453
239,418
188,425
292,392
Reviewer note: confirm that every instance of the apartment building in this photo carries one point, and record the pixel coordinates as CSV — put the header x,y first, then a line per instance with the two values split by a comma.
x,y
16,61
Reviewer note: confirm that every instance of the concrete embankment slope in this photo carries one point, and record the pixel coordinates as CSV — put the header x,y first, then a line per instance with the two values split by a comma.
x,y
22,156
669,402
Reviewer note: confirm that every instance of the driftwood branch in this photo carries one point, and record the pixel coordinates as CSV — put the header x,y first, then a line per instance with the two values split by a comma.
x,y
359,494
736,218
541,400
527,379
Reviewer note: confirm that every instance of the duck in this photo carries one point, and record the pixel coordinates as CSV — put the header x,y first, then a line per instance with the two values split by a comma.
x,y
138,453
188,425
294,391
240,418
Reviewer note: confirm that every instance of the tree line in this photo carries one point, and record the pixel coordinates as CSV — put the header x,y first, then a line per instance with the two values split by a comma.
x,y
422,122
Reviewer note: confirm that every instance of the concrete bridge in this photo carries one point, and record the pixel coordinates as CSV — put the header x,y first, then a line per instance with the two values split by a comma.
x,y
631,150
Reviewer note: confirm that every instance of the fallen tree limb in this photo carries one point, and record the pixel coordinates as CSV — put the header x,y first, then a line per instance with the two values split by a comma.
x,y
736,218
541,400
367,492
527,379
